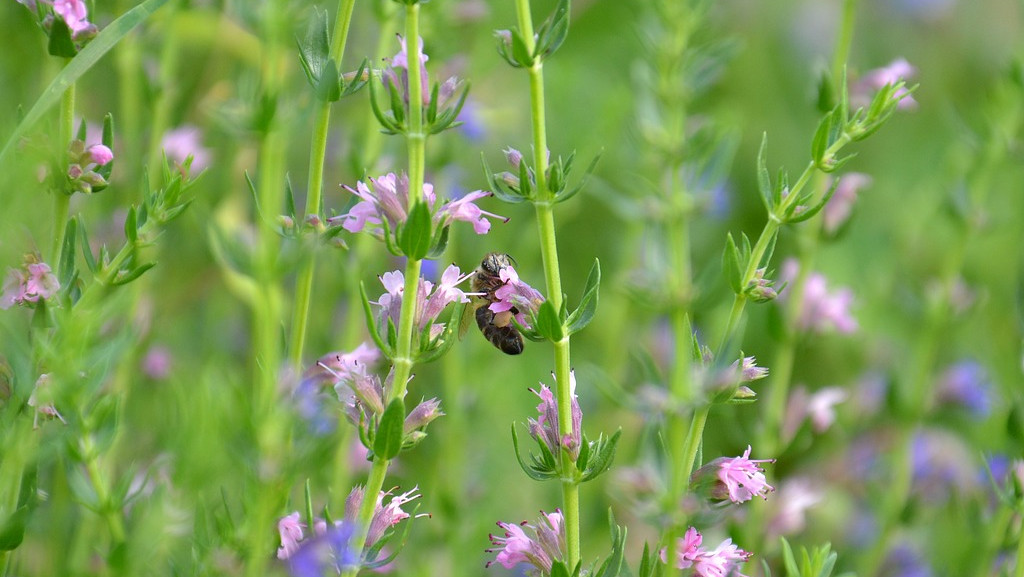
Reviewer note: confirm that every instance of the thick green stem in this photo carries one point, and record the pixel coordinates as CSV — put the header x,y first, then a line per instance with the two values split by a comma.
x,y
552,276
317,158
407,327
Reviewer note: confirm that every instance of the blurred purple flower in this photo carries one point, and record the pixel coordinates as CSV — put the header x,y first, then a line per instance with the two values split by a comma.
x,y
545,428
326,553
864,89
840,206
821,310
737,479
185,141
942,463
904,561
817,407
966,384
27,285
539,545
384,516
156,364
473,126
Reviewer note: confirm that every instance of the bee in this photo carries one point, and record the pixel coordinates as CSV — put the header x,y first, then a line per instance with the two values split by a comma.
x,y
496,327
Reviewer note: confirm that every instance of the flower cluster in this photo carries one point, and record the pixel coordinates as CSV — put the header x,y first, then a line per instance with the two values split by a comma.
x,y
545,427
74,13
538,545
719,562
84,162
517,297
431,300
28,285
737,479
328,547
385,205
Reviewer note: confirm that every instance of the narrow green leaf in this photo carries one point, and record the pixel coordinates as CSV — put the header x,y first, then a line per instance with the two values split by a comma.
x,y
81,64
90,260
584,313
131,228
558,569
530,471
731,265
12,531
788,560
764,180
603,457
811,212
371,323
66,264
388,442
520,52
127,277
60,43
328,87
414,236
820,142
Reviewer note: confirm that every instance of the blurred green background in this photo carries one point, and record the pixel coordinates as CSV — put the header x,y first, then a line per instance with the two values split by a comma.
x,y
193,420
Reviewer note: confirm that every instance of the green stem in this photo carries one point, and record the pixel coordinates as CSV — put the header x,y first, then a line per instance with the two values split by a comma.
x,y
98,480
552,277
317,158
403,360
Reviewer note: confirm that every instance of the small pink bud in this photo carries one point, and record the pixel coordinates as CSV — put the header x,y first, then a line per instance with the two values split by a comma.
x,y
100,154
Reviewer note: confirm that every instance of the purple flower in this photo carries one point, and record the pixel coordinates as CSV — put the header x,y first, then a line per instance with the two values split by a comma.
x,y
75,15
384,516
516,296
840,206
26,286
328,552
183,142
290,529
401,80
942,463
722,561
388,201
539,545
904,561
966,384
818,407
822,310
99,154
156,364
83,161
795,497
863,90
737,479
430,301
545,428
41,400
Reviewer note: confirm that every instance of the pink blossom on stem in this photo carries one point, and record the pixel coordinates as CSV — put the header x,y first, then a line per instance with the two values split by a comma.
x,y
546,427
430,301
183,142
539,545
290,529
26,286
736,479
722,561
516,296
821,309
463,209
872,81
384,516
75,15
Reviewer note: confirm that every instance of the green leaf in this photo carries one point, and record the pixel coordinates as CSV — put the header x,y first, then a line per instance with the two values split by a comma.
x,y
820,142
123,278
388,442
556,33
390,126
567,194
90,260
445,341
584,313
66,264
314,48
414,236
811,212
61,44
520,53
131,228
788,560
731,265
371,323
764,180
81,64
328,88
548,324
604,455
535,472
12,531
558,569
613,564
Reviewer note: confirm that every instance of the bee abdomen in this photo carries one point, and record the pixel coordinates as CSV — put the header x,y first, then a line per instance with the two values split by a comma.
x,y
507,339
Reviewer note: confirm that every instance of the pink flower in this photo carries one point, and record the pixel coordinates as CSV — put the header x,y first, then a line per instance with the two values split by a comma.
x,y
430,301
100,154
516,296
183,142
546,427
723,561
872,81
794,499
290,528
737,479
822,310
539,545
840,206
384,516
41,400
157,363
26,286
401,61
74,14
463,209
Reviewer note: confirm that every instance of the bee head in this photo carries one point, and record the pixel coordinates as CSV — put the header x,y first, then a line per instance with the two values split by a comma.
x,y
495,261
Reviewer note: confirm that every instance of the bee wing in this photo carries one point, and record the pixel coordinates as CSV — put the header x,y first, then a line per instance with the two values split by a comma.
x,y
468,315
